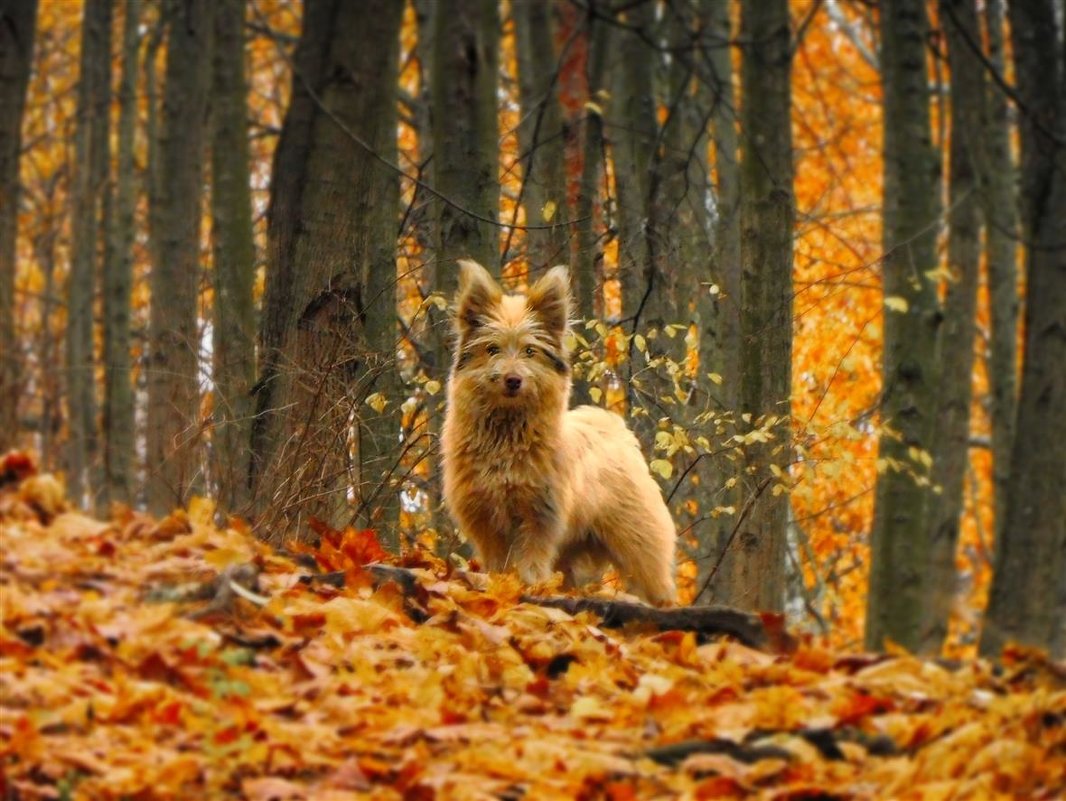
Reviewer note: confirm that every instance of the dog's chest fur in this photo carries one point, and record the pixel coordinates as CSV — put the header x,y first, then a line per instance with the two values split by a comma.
x,y
510,472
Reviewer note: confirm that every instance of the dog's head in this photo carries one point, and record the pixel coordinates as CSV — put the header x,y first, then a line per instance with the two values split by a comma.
x,y
510,349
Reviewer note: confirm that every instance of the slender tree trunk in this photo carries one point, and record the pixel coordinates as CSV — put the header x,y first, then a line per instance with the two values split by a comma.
x,y
90,175
465,146
118,282
951,438
173,436
999,206
17,21
757,559
233,349
683,242
1026,599
328,311
44,249
151,187
540,132
586,276
718,299
900,549
632,131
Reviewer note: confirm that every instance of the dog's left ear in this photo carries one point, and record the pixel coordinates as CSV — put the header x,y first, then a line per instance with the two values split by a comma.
x,y
549,300
478,292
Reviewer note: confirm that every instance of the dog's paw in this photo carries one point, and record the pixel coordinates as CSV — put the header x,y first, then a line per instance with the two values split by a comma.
x,y
534,573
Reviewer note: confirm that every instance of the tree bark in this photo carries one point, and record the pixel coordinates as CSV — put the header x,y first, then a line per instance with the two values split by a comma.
x,y
118,282
17,20
1026,599
540,133
587,273
951,438
465,146
767,208
632,131
900,549
331,269
173,436
718,297
999,207
233,332
90,175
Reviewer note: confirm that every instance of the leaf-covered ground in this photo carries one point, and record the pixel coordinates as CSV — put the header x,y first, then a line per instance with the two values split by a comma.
x,y
146,659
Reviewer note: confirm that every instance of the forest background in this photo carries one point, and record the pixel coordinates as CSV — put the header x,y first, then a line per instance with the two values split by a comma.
x,y
817,251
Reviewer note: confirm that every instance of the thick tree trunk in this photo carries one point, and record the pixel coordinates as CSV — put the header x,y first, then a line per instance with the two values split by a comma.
x,y
899,551
757,558
90,176
17,21
999,206
173,436
118,282
718,298
465,136
331,272
540,133
465,146
234,256
951,438
1026,598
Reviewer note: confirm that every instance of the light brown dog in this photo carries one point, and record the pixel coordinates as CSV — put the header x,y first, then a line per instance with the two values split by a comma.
x,y
534,486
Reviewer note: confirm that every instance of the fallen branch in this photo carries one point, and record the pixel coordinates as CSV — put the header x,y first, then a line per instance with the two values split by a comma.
x,y
706,621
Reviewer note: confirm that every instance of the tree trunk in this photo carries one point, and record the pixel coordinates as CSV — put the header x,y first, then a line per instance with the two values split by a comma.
x,y
118,282
17,21
718,309
173,436
90,176
632,130
331,272
587,273
648,302
757,558
540,133
465,136
465,147
234,256
899,552
999,207
1026,599
951,438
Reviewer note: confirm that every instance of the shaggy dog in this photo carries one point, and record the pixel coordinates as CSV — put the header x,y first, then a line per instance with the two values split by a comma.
x,y
535,486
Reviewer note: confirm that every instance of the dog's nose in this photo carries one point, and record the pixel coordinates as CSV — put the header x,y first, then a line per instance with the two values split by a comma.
x,y
513,383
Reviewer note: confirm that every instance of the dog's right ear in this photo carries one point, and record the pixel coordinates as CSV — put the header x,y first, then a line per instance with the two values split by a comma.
x,y
478,293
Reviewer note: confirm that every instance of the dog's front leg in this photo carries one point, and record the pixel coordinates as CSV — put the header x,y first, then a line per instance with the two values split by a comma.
x,y
538,535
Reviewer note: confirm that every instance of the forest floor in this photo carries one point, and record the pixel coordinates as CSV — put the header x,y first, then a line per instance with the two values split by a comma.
x,y
145,659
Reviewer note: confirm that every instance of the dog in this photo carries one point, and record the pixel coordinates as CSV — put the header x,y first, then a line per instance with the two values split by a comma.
x,y
535,486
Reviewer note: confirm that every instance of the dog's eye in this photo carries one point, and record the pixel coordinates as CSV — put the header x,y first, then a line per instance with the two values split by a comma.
x,y
530,352
492,350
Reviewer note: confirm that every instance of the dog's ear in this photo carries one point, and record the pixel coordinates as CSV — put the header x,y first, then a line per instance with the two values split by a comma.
x,y
549,300
478,293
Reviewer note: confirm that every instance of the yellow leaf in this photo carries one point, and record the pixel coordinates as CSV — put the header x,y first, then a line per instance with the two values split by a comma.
x,y
377,402
595,393
661,467
432,387
548,211
897,304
